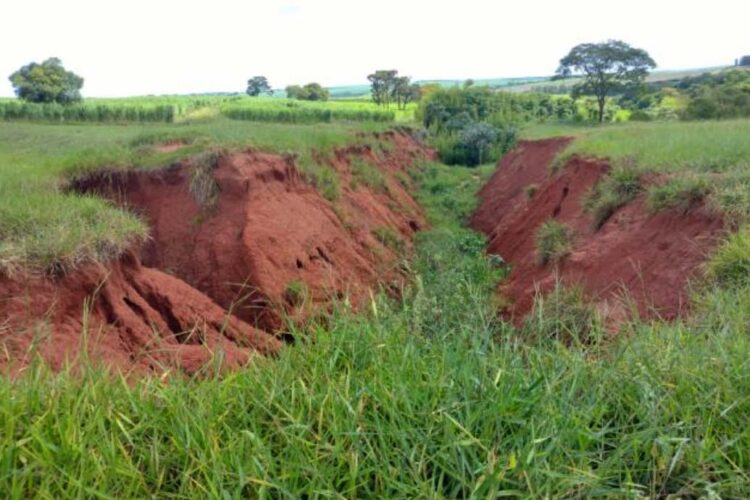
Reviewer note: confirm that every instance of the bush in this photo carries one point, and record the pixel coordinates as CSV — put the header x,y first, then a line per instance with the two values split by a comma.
x,y
553,241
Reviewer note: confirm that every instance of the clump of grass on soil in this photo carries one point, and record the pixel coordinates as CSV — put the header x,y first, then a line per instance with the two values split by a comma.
x,y
203,185
553,241
367,174
619,187
680,193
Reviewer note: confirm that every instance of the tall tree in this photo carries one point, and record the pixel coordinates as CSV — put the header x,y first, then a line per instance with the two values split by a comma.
x,y
605,68
381,85
47,82
257,85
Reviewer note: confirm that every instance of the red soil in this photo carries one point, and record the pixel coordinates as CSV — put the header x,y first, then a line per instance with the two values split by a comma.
x,y
268,230
134,318
636,259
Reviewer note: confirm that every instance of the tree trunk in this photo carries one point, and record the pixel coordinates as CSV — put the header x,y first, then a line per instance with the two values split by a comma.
x,y
602,102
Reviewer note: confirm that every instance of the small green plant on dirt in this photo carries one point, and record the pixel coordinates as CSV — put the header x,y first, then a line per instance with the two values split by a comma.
x,y
365,173
202,183
680,194
615,190
389,237
531,190
321,175
730,264
563,315
553,241
296,293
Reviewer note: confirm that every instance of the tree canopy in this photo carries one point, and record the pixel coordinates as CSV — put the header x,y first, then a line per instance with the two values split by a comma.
x,y
386,86
257,85
310,92
47,82
605,68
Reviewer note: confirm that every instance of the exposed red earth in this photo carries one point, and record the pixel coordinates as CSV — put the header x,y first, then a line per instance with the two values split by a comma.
x,y
218,279
637,261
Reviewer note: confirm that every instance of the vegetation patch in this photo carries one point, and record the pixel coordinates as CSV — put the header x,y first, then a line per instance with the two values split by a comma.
x,y
615,190
553,242
680,193
730,264
296,293
563,315
389,237
367,174
203,185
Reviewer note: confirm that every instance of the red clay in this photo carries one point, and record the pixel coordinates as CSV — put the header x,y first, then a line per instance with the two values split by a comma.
x,y
636,260
129,317
269,231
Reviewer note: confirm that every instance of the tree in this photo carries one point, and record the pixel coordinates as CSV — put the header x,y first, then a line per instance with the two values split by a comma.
x,y
405,92
295,92
477,139
257,85
315,92
382,84
310,92
47,82
605,68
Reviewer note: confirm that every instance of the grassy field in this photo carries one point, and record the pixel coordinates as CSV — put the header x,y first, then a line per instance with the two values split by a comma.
x,y
45,228
430,396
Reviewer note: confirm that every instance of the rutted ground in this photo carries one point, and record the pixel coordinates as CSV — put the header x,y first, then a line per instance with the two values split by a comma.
x,y
636,258
268,246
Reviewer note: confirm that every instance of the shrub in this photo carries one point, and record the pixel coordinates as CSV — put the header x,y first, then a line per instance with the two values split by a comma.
x,y
609,194
553,241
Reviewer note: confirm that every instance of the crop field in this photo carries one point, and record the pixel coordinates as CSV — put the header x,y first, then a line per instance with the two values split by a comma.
x,y
181,109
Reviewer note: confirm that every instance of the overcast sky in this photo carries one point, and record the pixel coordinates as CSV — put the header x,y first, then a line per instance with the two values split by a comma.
x,y
139,47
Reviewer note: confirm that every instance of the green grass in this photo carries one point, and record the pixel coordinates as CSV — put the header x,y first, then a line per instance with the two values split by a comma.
x,y
42,227
428,396
367,174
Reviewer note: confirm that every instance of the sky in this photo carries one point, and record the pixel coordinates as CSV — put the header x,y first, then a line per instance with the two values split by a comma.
x,y
141,47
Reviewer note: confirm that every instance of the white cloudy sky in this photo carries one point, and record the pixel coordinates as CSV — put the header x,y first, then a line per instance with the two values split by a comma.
x,y
140,47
